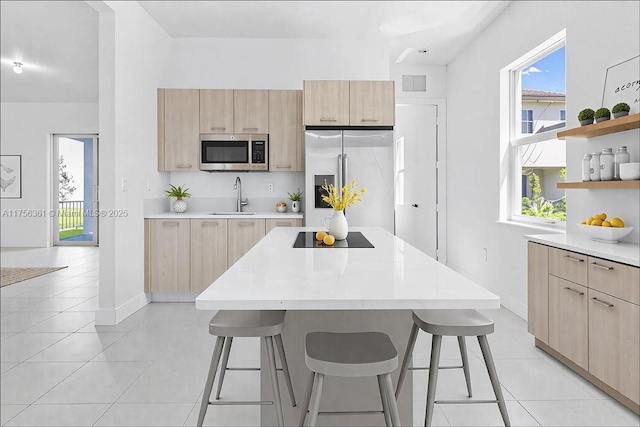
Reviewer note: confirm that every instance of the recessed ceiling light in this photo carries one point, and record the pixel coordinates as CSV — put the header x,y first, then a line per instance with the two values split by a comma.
x,y
423,50
17,67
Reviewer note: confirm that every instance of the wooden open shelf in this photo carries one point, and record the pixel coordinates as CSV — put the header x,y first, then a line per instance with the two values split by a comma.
x,y
603,128
602,185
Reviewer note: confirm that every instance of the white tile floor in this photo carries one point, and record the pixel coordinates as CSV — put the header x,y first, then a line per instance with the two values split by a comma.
x,y
60,369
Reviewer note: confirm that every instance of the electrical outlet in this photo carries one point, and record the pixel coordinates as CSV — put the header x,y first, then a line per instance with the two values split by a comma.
x,y
270,187
125,185
484,254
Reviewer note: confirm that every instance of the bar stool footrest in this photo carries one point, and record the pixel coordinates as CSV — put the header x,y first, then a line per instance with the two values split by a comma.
x,y
351,413
241,402
426,368
455,402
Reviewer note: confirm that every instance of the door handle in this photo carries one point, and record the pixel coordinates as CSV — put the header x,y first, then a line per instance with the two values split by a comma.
x,y
249,128
328,119
170,223
602,302
209,223
218,128
183,166
573,259
245,224
339,171
602,267
283,166
414,205
574,291
346,170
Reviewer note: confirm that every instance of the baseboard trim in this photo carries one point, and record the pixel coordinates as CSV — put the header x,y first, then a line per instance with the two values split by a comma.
x,y
587,376
110,317
508,302
173,296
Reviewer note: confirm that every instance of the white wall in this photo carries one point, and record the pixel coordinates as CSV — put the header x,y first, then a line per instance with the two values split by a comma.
x,y
26,130
133,53
271,63
474,153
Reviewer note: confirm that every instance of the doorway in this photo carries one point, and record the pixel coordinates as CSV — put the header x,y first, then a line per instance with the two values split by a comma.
x,y
75,190
416,192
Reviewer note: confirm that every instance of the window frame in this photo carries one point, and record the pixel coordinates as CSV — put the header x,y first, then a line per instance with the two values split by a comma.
x,y
563,113
522,121
512,72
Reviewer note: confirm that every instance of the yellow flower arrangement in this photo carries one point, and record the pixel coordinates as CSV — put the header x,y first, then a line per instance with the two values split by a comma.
x,y
339,199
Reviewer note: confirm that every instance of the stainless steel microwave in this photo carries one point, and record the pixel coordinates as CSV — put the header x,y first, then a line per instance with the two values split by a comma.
x,y
234,152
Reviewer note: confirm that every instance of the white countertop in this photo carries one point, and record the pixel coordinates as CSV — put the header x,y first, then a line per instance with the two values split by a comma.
x,y
207,215
393,275
626,253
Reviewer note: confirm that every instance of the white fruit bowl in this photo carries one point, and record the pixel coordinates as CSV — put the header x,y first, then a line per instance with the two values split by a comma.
x,y
629,171
604,234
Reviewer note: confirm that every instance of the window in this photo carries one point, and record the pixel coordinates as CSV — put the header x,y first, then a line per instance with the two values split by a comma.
x,y
535,104
527,121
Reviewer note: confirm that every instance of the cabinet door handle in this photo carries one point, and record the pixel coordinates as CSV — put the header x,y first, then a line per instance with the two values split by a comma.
x,y
370,120
573,259
184,166
209,223
599,301
245,224
170,223
218,128
249,128
574,291
283,166
283,224
602,267
328,119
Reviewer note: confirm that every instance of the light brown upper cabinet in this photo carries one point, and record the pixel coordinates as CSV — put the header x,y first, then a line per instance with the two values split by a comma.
x,y
178,129
251,111
285,131
216,111
372,103
326,102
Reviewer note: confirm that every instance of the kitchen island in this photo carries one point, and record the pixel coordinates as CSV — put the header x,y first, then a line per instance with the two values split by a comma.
x,y
341,290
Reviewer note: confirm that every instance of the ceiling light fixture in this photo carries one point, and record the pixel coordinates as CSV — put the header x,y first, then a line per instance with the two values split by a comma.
x,y
423,50
17,67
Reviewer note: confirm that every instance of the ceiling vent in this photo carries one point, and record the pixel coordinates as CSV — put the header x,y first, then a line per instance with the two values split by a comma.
x,y
411,83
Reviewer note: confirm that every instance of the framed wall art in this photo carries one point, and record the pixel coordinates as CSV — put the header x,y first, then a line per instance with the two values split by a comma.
x,y
11,177
622,84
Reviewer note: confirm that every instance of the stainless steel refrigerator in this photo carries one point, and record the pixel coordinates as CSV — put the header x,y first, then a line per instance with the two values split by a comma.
x,y
339,156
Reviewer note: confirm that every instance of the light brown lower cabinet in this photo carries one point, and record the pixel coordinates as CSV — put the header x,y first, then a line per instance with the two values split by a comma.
x,y
169,255
208,252
243,234
289,222
593,317
614,343
568,320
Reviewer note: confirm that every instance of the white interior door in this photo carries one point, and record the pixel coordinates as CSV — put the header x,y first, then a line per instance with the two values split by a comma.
x,y
416,176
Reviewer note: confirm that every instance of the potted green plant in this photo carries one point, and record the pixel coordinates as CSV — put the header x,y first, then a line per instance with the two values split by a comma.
x,y
296,198
602,114
179,193
620,110
586,117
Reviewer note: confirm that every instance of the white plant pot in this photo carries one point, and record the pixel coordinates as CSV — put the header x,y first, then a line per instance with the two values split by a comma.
x,y
295,206
338,226
179,206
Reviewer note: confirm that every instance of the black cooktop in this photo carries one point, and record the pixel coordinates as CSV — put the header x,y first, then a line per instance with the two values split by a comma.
x,y
307,239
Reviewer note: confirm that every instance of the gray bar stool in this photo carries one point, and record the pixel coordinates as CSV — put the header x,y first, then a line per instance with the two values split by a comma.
x,y
246,323
458,323
360,354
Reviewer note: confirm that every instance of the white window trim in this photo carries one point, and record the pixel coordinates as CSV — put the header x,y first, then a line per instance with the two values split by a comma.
x,y
510,85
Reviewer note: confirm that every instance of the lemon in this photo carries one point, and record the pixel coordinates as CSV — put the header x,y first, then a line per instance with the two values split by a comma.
x,y
606,224
617,222
584,222
329,240
588,222
596,222
320,235
602,216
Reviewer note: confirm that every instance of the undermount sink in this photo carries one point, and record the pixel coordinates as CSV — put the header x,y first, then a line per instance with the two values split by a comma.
x,y
232,213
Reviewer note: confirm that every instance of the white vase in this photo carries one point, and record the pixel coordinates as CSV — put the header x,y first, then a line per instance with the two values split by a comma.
x,y
338,226
179,206
295,206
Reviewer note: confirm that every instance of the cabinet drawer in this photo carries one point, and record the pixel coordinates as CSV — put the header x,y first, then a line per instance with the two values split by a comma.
x,y
621,281
289,222
568,265
614,343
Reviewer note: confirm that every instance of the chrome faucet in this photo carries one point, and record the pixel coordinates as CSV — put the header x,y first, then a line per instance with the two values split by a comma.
x,y
239,201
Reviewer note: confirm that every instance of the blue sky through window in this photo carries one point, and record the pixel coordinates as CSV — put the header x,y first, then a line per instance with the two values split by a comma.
x,y
546,74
